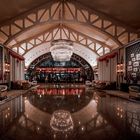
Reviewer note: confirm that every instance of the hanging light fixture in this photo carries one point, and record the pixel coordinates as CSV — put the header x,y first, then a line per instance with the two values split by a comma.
x,y
61,50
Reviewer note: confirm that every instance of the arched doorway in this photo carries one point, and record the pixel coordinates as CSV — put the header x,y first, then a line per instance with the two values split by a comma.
x,y
45,69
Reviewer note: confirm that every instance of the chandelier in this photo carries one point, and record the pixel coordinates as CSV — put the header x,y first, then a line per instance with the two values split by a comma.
x,y
61,49
61,121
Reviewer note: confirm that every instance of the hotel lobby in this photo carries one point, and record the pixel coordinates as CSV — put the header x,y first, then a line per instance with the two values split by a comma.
x,y
70,70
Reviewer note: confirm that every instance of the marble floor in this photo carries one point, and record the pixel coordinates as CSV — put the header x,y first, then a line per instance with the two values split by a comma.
x,y
72,112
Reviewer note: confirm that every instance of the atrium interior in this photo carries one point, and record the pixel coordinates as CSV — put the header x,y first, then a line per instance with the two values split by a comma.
x,y
70,69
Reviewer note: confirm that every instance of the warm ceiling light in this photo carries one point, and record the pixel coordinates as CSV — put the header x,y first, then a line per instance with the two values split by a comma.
x,y
61,50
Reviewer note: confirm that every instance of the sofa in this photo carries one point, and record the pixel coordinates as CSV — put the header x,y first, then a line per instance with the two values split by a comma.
x,y
3,88
20,84
104,85
134,91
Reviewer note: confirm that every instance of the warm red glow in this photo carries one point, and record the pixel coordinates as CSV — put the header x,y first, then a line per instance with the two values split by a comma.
x,y
57,70
62,91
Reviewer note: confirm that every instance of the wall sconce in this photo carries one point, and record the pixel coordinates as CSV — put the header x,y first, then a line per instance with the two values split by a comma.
x,y
120,68
7,67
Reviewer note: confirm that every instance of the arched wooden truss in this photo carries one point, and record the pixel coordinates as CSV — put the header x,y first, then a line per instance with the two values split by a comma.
x,y
61,32
66,12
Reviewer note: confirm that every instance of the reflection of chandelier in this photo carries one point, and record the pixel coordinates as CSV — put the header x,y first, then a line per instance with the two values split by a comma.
x,y
61,121
61,50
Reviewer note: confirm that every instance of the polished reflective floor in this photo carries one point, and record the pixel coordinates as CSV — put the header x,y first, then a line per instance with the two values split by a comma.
x,y
69,112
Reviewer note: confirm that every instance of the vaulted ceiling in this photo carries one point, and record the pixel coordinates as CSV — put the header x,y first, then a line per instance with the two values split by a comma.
x,y
125,11
26,26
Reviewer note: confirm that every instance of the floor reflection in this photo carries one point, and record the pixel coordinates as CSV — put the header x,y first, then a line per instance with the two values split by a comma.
x,y
124,115
99,118
10,112
71,99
